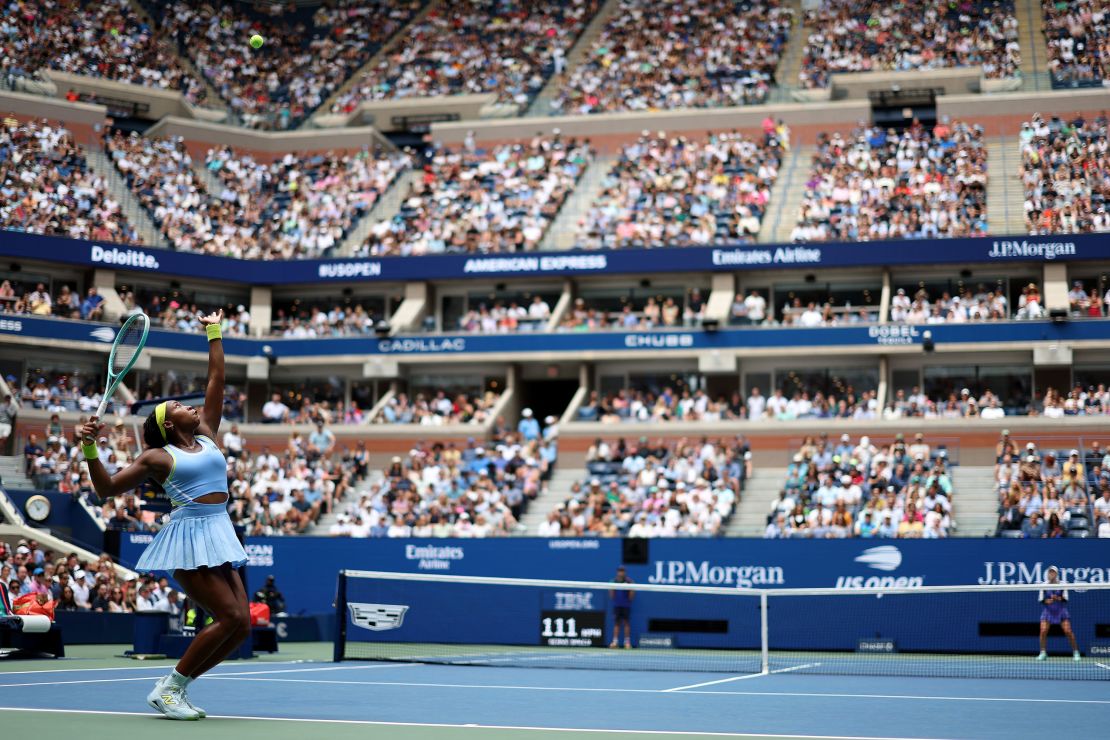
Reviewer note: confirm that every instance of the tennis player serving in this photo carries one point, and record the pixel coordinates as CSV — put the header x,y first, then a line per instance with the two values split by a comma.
x,y
198,546
1055,611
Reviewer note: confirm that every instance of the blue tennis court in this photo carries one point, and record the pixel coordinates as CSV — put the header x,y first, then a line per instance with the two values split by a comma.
x,y
276,699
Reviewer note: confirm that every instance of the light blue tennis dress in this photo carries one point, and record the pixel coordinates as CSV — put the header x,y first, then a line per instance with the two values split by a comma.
x,y
198,535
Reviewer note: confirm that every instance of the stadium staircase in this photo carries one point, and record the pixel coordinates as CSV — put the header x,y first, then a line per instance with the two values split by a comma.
x,y
558,491
1005,199
11,473
975,502
323,526
790,63
750,517
563,230
541,105
1034,52
385,209
137,216
786,197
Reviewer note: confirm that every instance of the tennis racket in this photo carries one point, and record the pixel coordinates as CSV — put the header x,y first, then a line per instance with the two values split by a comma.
x,y
126,349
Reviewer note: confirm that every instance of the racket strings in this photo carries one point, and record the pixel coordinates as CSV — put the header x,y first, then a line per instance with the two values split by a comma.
x,y
128,344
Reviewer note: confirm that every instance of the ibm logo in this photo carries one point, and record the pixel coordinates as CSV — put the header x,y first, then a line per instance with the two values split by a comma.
x,y
582,601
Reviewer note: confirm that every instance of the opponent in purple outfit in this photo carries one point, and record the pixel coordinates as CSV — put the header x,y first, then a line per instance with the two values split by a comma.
x,y
1055,611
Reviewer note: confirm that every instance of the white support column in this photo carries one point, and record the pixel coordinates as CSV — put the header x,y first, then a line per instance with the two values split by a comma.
x,y
884,373
1055,289
884,298
262,311
105,283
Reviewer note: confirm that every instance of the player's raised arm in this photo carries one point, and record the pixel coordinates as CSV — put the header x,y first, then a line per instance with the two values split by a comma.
x,y
214,393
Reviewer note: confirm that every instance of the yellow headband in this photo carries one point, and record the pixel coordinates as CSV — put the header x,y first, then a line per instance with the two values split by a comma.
x,y
160,417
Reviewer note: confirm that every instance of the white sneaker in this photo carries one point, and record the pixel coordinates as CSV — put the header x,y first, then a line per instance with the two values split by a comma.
x,y
1042,656
1075,656
171,701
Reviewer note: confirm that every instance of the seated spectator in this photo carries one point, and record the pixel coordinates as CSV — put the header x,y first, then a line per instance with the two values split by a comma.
x,y
1062,166
481,46
868,36
680,192
478,201
439,409
48,187
689,54
878,184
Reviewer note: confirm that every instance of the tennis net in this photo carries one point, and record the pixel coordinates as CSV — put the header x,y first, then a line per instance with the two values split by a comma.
x,y
930,631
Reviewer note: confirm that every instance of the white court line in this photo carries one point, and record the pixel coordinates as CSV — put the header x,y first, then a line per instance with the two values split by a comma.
x,y
1100,665
742,678
664,691
207,676
684,733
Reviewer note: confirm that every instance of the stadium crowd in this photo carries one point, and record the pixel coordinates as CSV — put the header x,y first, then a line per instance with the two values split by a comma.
x,y
655,312
846,489
442,490
42,581
438,408
103,39
338,321
1078,38
1049,493
683,55
501,319
871,36
1066,174
290,208
303,61
675,191
687,488
877,184
47,187
505,47
476,200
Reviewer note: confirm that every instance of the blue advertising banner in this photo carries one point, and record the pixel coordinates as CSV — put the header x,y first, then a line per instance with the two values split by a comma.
x,y
733,258
305,567
577,342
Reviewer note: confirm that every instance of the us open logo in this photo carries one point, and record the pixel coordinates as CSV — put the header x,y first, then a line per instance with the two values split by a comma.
x,y
377,617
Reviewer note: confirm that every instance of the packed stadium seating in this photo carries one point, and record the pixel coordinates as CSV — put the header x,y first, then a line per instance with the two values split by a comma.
x,y
474,200
292,207
866,36
65,583
436,409
1048,492
480,46
687,488
1077,34
877,184
305,59
1064,165
689,55
95,39
846,489
684,192
48,188
442,490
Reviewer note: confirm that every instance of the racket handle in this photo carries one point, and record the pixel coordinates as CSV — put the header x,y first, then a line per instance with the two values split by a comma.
x,y
100,409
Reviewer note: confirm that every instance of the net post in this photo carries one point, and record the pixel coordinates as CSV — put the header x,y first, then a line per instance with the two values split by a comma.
x,y
764,648
340,617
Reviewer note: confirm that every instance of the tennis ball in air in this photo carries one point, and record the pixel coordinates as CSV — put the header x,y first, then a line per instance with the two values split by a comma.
x,y
256,41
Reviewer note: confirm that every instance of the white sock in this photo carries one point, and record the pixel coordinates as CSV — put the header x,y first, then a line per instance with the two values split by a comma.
x,y
176,679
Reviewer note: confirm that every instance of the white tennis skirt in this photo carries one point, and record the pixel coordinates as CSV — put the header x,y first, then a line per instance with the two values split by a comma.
x,y
198,536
